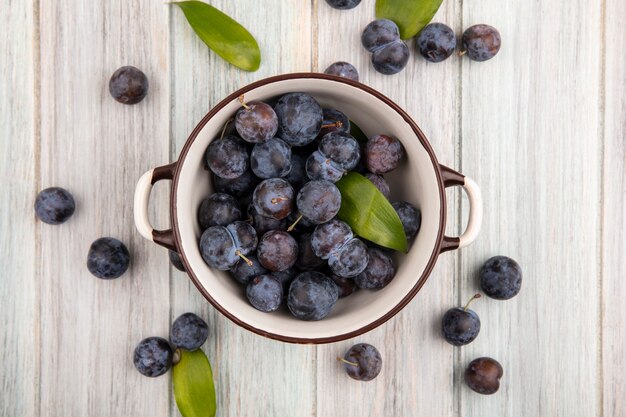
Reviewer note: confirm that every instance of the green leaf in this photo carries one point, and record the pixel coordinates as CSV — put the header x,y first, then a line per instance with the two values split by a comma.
x,y
357,133
193,385
410,15
369,213
223,35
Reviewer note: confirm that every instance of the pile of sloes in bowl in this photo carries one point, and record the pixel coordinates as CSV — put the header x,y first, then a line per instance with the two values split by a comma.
x,y
272,220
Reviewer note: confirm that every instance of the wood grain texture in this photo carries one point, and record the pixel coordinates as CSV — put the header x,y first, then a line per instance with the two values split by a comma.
x,y
530,138
19,290
412,349
541,129
614,213
98,148
254,376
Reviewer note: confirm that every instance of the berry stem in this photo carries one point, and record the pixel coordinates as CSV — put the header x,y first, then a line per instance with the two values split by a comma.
x,y
224,129
470,301
290,228
277,200
243,103
176,357
461,53
340,359
335,124
242,256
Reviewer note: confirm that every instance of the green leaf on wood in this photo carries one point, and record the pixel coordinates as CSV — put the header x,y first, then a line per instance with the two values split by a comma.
x,y
369,213
222,34
193,385
410,15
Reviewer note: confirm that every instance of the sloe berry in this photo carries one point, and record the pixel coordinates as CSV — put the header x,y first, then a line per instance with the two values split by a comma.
x,y
481,42
350,260
256,122
391,58
330,237
153,356
307,259
319,201
379,271
334,121
271,159
176,261
483,375
382,154
227,157
265,293
189,332
343,69
460,326
379,33
410,217
297,175
108,258
319,167
341,148
128,85
237,187
273,198
436,42
277,250
380,183
346,285
218,209
343,4
362,362
243,272
312,296
54,205
299,118
264,224
501,278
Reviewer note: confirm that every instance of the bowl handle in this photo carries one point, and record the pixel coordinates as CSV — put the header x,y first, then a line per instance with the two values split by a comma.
x,y
453,178
164,238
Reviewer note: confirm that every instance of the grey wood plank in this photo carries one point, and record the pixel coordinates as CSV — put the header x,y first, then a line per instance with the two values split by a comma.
x,y
530,138
417,364
98,148
19,292
254,376
532,127
614,214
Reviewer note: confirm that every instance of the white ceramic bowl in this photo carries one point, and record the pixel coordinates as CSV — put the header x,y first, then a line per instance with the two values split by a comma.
x,y
420,181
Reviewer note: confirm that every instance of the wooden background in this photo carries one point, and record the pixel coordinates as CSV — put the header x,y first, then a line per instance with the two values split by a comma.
x,y
541,128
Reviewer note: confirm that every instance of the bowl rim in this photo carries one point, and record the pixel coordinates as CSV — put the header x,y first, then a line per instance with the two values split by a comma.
x,y
441,183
